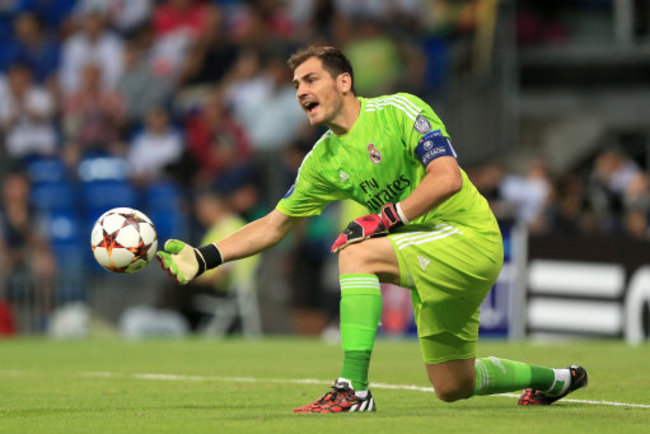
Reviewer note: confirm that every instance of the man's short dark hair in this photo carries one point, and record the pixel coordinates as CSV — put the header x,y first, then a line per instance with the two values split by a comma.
x,y
334,61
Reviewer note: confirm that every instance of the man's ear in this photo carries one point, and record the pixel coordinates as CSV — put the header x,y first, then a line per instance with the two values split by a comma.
x,y
344,82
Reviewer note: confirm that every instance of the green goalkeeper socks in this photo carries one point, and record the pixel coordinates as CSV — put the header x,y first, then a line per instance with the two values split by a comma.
x,y
360,315
495,375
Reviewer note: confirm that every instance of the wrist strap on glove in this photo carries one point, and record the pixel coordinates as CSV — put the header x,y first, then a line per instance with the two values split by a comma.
x,y
208,257
392,216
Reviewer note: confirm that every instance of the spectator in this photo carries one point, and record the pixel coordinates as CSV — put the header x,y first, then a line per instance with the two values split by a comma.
x,y
267,102
572,213
216,140
261,25
322,15
128,16
211,56
221,299
376,60
57,12
26,258
26,116
92,43
636,201
158,146
219,220
188,17
92,116
240,186
142,85
177,24
34,48
529,195
263,103
614,170
124,16
363,8
611,174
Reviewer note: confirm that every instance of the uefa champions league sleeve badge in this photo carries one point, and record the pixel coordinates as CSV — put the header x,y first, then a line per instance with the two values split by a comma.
x,y
422,125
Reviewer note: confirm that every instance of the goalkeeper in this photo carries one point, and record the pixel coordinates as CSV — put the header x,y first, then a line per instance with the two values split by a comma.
x,y
429,230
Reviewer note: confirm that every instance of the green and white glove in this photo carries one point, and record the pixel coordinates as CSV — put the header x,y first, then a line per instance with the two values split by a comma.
x,y
184,263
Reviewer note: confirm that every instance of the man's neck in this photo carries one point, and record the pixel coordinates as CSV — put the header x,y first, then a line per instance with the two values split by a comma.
x,y
347,116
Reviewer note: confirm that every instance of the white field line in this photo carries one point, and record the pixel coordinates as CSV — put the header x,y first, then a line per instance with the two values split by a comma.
x,y
174,377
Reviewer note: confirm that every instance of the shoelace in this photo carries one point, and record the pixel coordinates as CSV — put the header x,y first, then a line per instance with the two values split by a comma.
x,y
333,394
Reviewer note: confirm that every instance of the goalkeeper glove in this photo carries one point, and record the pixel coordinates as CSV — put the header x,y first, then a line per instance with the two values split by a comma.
x,y
184,262
370,226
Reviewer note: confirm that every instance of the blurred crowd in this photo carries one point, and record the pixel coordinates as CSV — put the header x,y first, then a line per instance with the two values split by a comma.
x,y
155,103
185,110
608,194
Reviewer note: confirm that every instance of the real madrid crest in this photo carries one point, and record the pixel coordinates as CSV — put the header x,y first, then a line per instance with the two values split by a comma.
x,y
373,153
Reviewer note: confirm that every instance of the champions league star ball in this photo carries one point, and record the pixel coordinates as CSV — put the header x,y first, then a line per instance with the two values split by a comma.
x,y
123,240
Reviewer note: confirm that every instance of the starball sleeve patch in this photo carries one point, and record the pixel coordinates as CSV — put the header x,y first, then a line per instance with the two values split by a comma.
x,y
422,125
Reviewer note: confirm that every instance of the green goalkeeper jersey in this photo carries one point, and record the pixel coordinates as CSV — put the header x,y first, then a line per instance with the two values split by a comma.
x,y
381,160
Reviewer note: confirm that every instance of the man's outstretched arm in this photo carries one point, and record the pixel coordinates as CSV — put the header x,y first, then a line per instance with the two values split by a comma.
x,y
184,262
257,236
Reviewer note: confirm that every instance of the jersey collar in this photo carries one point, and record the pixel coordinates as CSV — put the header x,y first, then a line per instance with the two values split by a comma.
x,y
362,112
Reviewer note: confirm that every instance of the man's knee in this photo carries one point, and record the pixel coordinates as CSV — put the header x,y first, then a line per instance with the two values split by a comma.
x,y
355,258
454,390
372,256
353,254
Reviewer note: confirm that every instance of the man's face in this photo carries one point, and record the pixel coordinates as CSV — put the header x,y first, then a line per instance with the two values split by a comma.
x,y
319,94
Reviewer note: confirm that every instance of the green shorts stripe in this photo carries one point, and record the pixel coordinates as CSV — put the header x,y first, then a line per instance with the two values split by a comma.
x,y
415,238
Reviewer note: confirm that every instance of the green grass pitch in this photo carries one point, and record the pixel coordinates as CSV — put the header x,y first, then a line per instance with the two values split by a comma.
x,y
232,385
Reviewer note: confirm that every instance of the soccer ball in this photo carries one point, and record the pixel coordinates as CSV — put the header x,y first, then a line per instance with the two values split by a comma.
x,y
123,240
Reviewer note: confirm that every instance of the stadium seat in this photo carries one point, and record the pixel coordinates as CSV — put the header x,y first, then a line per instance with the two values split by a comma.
x,y
46,170
162,196
102,168
59,196
62,227
70,246
100,196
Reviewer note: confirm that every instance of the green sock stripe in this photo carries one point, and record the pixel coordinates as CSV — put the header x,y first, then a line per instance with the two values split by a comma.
x,y
494,375
482,378
357,275
361,291
359,281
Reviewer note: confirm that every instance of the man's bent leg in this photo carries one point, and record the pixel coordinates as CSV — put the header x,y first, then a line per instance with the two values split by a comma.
x,y
360,314
456,374
494,375
450,365
452,380
372,256
360,307
361,267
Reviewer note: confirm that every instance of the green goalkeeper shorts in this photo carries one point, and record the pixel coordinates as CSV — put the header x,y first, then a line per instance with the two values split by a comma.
x,y
449,270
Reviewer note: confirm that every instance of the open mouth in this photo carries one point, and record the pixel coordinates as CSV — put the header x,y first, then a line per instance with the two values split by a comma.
x,y
310,106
